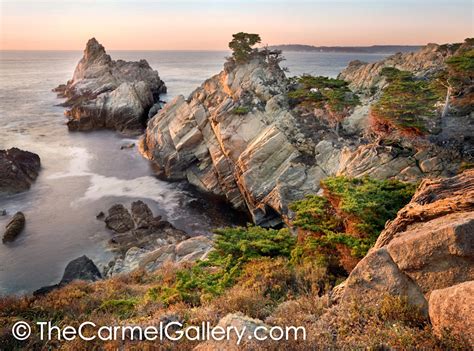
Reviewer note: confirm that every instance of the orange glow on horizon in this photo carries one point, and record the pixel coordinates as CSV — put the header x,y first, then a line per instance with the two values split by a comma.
x,y
26,25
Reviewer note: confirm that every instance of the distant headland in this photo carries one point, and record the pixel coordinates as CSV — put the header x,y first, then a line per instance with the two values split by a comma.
x,y
374,49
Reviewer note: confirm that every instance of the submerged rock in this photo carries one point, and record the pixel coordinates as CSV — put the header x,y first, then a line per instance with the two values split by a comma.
x,y
429,246
104,93
14,227
18,170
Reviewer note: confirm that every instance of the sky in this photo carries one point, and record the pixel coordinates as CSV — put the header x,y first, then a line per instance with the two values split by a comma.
x,y
209,24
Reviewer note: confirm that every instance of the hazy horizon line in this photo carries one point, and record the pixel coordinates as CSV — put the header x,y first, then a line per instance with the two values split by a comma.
x,y
227,49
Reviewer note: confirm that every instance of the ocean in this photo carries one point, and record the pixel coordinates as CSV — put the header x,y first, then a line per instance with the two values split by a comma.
x,y
86,173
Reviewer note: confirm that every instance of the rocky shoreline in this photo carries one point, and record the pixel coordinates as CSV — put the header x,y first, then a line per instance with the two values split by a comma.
x,y
267,144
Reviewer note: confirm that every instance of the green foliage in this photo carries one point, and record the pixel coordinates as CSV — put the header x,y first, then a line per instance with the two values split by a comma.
x,y
315,213
369,200
405,101
240,111
462,63
233,247
241,46
353,213
122,307
460,77
331,92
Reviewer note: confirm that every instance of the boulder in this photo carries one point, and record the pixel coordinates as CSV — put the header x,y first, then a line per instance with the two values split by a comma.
x,y
141,215
437,254
18,170
14,227
198,244
452,309
175,249
434,198
104,93
81,268
429,246
119,219
377,274
142,240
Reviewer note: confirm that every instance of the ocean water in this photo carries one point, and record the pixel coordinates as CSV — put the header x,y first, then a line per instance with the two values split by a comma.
x,y
85,173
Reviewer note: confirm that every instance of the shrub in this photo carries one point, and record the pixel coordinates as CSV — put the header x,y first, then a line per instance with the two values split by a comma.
x,y
404,103
240,111
233,248
121,307
350,215
332,95
372,202
460,76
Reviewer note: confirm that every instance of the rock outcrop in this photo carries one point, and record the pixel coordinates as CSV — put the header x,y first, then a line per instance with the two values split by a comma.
x,y
104,93
14,227
426,61
81,268
429,246
145,241
236,136
18,170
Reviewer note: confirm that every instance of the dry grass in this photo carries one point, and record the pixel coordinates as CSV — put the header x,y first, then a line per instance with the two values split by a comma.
x,y
268,289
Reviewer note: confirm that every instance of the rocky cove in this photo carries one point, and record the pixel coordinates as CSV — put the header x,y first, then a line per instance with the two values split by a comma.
x,y
270,146
83,174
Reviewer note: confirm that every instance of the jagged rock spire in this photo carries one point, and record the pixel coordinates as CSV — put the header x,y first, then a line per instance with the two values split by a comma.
x,y
93,50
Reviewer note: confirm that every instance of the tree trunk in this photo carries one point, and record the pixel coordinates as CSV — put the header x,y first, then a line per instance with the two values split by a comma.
x,y
446,103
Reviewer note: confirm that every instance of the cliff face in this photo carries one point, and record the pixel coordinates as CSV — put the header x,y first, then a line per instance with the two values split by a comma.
x,y
104,93
234,136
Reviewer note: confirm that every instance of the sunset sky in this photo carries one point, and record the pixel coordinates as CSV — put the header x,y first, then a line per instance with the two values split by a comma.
x,y
208,24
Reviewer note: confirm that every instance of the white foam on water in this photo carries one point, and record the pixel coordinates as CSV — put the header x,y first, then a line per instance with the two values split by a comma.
x,y
78,163
147,187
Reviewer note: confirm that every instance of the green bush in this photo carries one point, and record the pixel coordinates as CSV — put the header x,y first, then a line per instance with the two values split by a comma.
x,y
233,248
240,111
124,308
353,212
372,202
405,102
333,93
